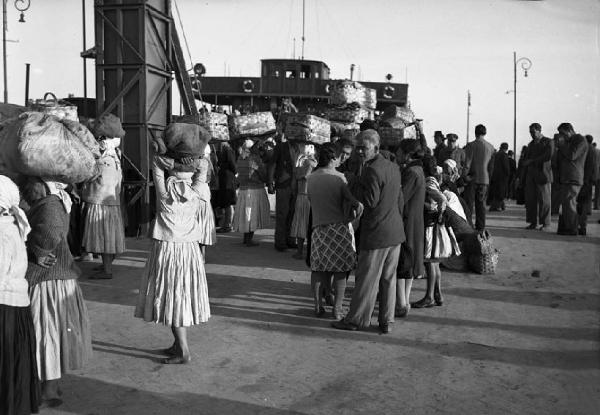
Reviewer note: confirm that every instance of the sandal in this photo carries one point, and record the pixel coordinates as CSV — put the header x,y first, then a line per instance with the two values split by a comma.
x,y
424,303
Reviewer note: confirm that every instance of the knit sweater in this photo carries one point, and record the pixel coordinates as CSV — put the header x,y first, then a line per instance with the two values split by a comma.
x,y
13,264
49,227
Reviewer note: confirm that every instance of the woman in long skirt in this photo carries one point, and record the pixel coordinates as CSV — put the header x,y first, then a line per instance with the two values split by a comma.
x,y
60,316
103,221
19,383
304,165
173,288
252,211
205,171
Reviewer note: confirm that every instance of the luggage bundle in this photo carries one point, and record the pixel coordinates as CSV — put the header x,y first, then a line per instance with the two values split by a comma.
x,y
42,145
393,125
215,123
306,127
183,140
349,92
252,125
52,106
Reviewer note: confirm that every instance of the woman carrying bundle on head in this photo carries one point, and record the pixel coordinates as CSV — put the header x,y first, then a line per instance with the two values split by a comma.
x,y
252,210
103,221
332,251
20,386
173,288
60,316
304,166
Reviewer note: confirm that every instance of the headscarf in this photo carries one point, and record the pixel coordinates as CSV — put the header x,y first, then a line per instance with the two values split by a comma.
x,y
246,146
9,204
451,169
58,189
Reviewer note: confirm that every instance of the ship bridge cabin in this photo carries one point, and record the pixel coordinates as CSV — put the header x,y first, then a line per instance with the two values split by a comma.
x,y
306,82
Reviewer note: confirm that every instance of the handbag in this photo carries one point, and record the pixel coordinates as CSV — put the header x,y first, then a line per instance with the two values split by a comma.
x,y
440,242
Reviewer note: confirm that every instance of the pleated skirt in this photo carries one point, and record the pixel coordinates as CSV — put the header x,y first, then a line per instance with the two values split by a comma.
x,y
252,210
103,230
208,231
62,327
332,248
19,383
173,288
301,215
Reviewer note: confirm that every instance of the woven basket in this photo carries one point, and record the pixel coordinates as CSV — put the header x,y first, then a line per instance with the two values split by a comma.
x,y
484,264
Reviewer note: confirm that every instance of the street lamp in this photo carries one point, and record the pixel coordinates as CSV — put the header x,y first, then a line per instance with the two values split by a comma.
x,y
22,6
525,65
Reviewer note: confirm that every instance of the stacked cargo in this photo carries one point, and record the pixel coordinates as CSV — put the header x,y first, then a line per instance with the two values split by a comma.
x,y
215,123
396,124
307,128
252,125
352,103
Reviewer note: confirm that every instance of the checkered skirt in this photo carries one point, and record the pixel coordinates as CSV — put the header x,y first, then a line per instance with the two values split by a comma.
x,y
332,248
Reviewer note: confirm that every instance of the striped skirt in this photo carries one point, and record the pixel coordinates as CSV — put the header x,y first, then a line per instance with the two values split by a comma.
x,y
103,230
62,327
301,214
208,232
252,210
332,248
173,288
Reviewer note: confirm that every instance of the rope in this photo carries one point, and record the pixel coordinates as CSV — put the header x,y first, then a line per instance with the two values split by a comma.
x,y
187,47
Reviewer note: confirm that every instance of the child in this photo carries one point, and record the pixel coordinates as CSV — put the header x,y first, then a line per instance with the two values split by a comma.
x,y
173,288
304,166
252,210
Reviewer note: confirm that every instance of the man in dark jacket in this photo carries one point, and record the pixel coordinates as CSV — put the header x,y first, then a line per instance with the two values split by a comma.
x,y
382,234
571,155
454,152
539,178
280,177
226,196
480,165
499,179
590,175
440,147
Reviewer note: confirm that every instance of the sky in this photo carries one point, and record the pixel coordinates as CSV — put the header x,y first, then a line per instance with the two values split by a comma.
x,y
442,48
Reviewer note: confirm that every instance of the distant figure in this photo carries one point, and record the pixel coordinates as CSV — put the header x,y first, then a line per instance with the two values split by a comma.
x,y
555,186
597,183
513,174
305,164
226,195
440,147
454,152
479,167
499,179
590,176
539,179
571,157
521,177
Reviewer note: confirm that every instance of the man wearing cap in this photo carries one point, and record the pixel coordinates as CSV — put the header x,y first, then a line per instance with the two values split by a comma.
x,y
454,152
382,233
571,155
439,139
538,179
480,154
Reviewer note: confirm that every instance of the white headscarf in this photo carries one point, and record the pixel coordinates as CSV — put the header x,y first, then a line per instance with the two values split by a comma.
x,y
9,204
58,189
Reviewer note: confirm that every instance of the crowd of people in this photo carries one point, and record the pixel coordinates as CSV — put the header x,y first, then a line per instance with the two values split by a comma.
x,y
390,214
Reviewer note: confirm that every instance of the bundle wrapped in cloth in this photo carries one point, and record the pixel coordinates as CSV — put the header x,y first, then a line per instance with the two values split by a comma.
x,y
52,106
349,92
36,144
109,126
185,140
306,127
252,125
350,114
396,124
215,123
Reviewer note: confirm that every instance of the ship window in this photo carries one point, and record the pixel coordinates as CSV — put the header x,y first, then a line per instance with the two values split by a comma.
x,y
275,73
316,75
290,74
305,72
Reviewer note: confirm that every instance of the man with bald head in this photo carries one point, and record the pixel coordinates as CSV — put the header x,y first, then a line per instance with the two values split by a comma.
x,y
381,235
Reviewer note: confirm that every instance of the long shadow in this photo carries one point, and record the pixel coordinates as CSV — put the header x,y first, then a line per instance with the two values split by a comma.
x,y
90,396
550,332
567,301
511,232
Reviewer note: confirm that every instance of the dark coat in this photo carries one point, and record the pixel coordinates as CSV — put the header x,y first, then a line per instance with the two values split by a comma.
x,y
413,189
380,192
500,176
227,169
571,156
281,166
539,155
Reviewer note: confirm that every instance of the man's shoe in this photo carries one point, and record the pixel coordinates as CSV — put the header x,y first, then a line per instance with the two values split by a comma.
x,y
423,303
343,325
582,231
224,230
384,328
532,226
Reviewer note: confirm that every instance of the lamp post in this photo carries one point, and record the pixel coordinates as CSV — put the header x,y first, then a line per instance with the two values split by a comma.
x,y
525,65
20,5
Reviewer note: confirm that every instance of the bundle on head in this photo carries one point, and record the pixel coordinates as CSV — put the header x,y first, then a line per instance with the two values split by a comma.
x,y
108,126
412,148
185,140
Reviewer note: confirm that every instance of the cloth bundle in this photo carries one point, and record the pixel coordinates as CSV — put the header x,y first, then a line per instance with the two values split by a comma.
x,y
215,123
393,125
60,109
306,127
42,145
184,140
108,126
349,92
350,114
252,125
